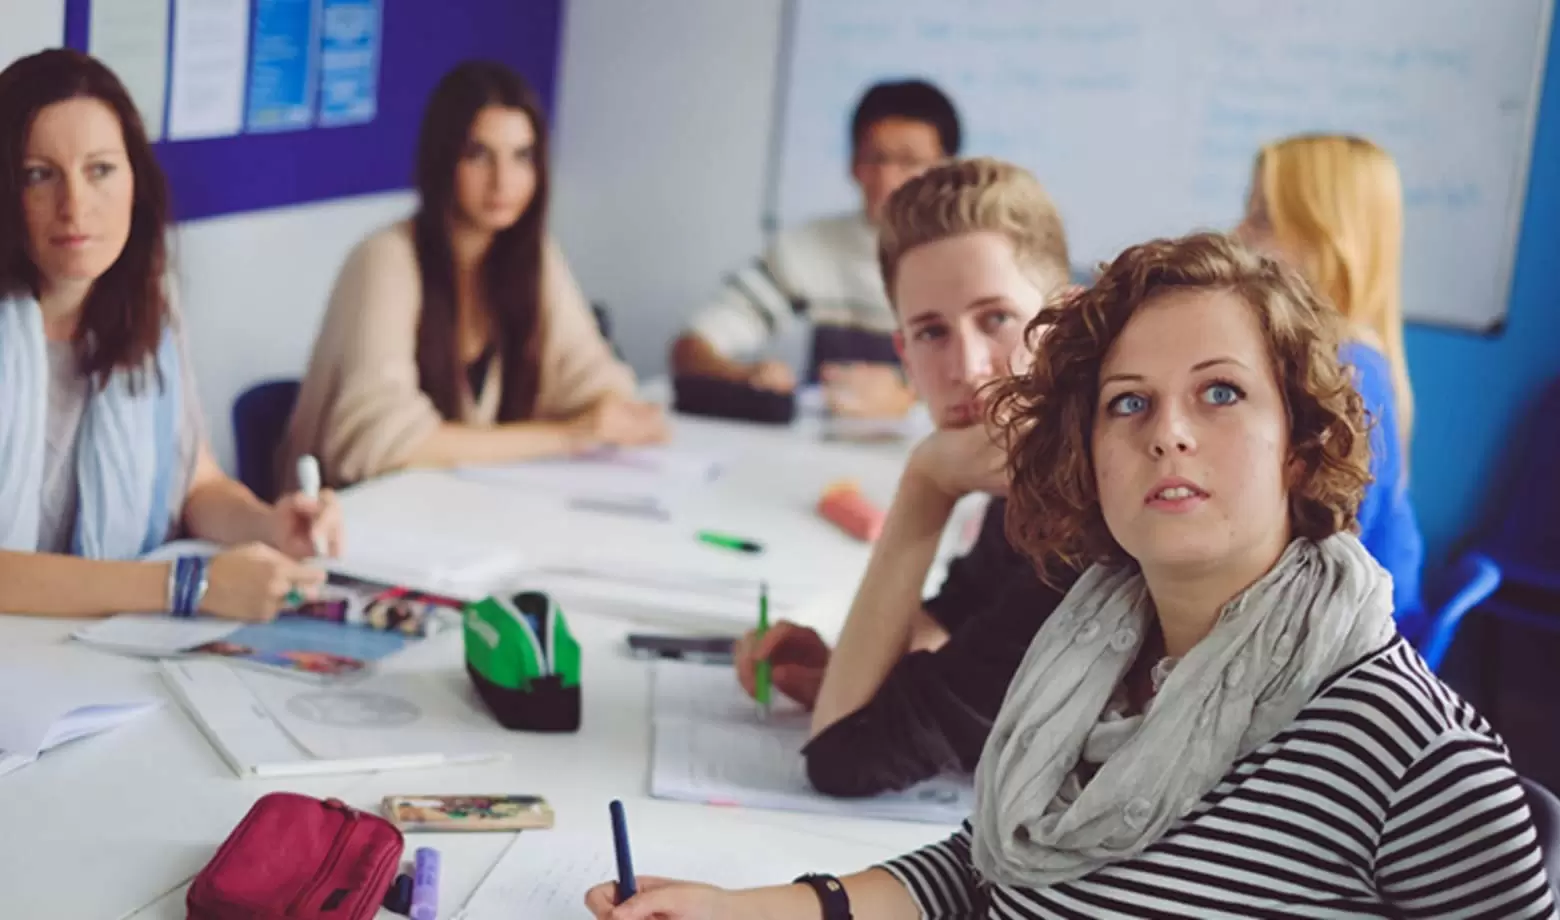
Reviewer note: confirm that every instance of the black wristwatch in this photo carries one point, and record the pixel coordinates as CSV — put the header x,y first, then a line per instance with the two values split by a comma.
x,y
831,894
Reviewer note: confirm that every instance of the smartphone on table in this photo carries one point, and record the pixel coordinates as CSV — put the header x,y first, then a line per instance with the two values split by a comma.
x,y
702,649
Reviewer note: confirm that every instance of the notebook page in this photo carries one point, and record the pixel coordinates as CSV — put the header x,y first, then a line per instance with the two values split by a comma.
x,y
711,747
544,875
711,694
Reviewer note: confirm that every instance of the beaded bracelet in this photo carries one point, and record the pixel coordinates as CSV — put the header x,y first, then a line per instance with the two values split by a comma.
x,y
187,583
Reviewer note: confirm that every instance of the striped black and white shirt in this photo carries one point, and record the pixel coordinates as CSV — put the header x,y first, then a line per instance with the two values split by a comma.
x,y
1389,796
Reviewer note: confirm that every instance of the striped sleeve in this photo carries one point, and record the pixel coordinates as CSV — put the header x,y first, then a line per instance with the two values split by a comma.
x,y
752,309
940,878
1458,839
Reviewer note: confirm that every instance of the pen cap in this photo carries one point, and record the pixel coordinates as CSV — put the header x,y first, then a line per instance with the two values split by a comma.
x,y
309,476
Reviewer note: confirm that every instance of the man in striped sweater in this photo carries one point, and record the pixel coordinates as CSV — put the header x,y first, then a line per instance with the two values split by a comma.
x,y
826,272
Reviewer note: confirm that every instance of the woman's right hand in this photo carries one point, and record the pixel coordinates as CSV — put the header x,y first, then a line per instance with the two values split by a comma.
x,y
620,422
797,658
252,582
663,899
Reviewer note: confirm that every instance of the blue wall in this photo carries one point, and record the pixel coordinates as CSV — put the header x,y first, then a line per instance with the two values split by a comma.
x,y
1473,393
420,41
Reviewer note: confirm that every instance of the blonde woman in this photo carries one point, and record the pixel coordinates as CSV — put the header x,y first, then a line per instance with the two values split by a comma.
x,y
1332,206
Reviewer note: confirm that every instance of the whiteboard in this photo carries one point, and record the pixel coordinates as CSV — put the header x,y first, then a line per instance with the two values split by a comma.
x,y
1143,118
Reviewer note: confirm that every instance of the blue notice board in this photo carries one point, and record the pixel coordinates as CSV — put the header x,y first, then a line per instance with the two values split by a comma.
x,y
282,56
359,151
349,62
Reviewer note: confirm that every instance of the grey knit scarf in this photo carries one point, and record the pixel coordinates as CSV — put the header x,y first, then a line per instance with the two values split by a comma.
x,y
1321,607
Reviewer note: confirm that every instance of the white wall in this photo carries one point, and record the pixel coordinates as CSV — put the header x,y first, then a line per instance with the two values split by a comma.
x,y
253,289
662,137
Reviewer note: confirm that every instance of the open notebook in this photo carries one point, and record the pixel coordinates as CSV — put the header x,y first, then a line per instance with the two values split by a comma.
x,y
711,747
266,726
40,710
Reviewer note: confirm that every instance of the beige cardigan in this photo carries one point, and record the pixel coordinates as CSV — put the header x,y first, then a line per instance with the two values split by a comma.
x,y
361,411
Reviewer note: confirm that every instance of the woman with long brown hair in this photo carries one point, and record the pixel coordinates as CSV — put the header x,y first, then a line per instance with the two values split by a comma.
x,y
460,336
103,456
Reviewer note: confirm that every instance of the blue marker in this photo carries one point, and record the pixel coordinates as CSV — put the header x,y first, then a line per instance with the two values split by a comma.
x,y
625,863
425,885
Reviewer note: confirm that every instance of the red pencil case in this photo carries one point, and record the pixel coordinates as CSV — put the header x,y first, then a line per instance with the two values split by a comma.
x,y
298,858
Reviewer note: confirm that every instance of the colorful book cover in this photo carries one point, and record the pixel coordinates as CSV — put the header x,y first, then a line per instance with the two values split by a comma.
x,y
379,606
353,624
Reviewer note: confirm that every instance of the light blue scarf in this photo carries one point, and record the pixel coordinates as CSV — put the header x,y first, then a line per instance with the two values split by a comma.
x,y
126,455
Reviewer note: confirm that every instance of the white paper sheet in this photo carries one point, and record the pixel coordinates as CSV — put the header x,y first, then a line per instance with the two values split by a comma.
x,y
544,875
210,58
711,747
659,474
131,37
385,715
681,597
40,709
230,705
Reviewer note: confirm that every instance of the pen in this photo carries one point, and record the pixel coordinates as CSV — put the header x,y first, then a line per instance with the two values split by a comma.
x,y
761,682
626,888
726,541
309,485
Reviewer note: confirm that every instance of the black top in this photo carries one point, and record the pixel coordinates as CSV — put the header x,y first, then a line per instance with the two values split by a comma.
x,y
934,710
848,345
477,371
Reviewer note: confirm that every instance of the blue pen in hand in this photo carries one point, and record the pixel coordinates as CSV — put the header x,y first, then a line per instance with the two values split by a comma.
x,y
625,862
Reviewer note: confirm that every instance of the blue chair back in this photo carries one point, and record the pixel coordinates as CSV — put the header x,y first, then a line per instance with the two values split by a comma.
x,y
1472,579
260,417
1526,544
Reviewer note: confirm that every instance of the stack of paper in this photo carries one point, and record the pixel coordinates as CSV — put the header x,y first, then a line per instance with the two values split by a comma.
x,y
649,480
711,747
662,595
440,565
40,710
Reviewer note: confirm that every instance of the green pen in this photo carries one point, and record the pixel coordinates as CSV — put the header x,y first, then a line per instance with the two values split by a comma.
x,y
761,683
726,541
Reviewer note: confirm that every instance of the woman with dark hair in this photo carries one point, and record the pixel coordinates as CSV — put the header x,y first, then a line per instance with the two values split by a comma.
x,y
103,456
460,336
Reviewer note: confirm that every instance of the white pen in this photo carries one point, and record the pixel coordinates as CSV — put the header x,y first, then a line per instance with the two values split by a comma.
x,y
309,485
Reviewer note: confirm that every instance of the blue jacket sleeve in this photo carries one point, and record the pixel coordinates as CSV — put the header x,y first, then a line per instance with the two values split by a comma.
x,y
1388,527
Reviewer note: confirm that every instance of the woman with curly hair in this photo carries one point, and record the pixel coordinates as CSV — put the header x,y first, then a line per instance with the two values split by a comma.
x,y
1219,719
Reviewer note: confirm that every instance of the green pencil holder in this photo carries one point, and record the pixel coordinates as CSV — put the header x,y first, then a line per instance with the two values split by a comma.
x,y
524,662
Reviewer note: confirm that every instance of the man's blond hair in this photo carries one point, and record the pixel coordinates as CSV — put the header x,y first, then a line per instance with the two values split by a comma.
x,y
970,196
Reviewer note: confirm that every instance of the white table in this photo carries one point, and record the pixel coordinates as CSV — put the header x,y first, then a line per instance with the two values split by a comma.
x,y
115,826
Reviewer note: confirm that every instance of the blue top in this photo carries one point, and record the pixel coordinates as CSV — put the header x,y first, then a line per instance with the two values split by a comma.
x,y
1388,527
